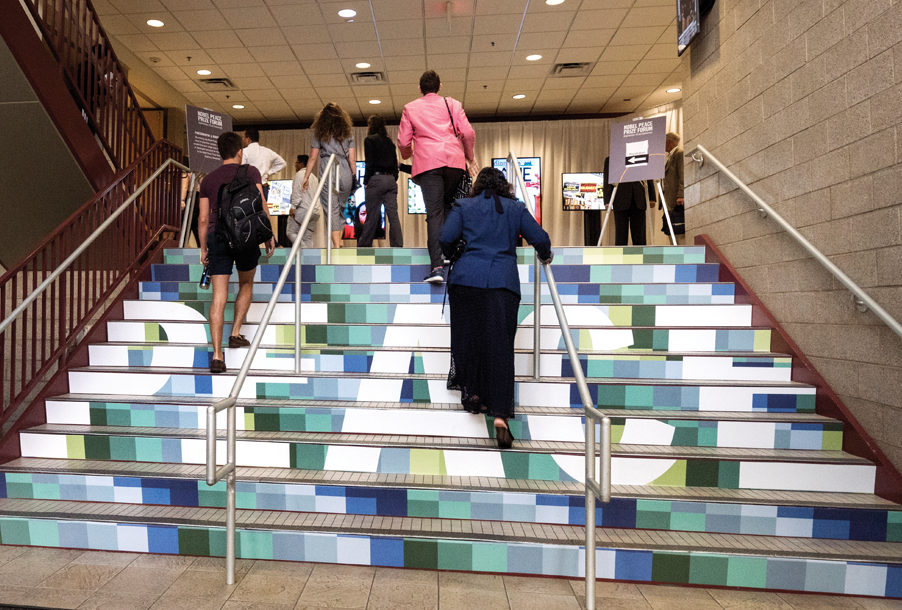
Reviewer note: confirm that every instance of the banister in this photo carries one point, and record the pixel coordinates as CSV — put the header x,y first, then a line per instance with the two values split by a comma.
x,y
862,299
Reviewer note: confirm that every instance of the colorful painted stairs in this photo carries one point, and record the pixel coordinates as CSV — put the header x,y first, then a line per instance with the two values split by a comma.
x,y
723,472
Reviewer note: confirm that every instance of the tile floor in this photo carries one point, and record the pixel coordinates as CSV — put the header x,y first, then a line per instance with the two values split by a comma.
x,y
56,578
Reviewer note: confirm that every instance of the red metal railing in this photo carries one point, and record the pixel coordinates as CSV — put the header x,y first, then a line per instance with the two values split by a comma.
x,y
94,76
38,339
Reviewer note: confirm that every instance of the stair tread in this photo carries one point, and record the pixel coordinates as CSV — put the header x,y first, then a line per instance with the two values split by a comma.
x,y
463,443
328,477
202,401
423,527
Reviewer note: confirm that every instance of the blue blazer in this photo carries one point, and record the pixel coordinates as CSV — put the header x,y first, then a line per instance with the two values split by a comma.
x,y
490,260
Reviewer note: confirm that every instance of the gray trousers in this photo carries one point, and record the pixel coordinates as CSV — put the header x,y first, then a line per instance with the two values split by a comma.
x,y
381,190
439,186
294,224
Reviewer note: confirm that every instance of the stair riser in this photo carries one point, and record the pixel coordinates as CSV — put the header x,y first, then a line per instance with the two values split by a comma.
x,y
665,316
707,517
660,432
420,256
437,363
725,474
630,294
705,569
392,274
533,394
413,337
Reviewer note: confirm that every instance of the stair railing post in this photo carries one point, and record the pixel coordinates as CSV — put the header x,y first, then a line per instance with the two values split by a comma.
x,y
537,318
189,211
297,306
590,515
610,206
648,216
328,180
230,495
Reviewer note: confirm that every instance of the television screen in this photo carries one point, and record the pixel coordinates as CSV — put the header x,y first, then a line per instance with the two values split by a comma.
x,y
583,191
415,202
279,197
355,210
531,168
687,23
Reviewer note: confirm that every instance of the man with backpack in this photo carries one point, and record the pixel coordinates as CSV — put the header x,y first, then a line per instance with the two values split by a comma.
x,y
233,223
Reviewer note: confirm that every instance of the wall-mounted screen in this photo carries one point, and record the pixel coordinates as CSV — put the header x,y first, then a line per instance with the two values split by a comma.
x,y
583,191
531,168
355,209
279,197
415,202
687,23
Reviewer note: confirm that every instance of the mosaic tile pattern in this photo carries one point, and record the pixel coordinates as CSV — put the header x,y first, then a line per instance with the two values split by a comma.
x,y
596,274
602,366
382,335
709,517
648,255
545,393
825,436
634,294
821,576
709,471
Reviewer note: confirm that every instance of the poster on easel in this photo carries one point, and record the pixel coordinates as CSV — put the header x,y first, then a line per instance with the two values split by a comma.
x,y
638,150
203,128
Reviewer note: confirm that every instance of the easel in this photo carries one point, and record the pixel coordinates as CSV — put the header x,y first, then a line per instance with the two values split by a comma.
x,y
648,212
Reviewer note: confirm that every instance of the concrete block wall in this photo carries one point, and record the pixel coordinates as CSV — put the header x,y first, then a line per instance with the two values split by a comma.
x,y
802,100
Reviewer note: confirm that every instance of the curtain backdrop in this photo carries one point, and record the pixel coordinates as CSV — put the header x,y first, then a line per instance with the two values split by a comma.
x,y
564,147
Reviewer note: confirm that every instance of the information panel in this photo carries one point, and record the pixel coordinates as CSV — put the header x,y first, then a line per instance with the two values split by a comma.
x,y
638,150
204,127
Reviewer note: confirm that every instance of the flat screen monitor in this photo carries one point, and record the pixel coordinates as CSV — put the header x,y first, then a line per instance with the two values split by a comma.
x,y
531,168
279,197
415,202
583,191
355,210
687,23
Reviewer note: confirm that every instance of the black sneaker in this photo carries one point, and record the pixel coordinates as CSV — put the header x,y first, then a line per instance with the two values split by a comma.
x,y
437,276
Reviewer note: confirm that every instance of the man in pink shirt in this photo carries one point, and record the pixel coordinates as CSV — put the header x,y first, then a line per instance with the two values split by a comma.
x,y
436,132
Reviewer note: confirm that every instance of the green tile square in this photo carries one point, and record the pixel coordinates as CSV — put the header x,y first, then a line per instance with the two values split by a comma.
x,y
543,468
311,457
702,473
639,396
44,491
211,496
653,520
318,422
139,418
43,533
421,554
454,510
217,542
123,448
611,396
670,567
96,447
644,315
489,557
292,420
358,335
684,436
423,508
318,335
687,522
832,441
894,532
455,555
728,476
516,465
245,499
148,449
748,572
98,415
708,569
254,545
269,422
14,531
194,541
707,437
335,313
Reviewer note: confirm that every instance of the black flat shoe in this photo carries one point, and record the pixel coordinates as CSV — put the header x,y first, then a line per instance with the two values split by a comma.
x,y
504,437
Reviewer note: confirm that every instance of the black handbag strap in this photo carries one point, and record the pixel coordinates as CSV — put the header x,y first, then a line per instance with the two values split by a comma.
x,y
453,127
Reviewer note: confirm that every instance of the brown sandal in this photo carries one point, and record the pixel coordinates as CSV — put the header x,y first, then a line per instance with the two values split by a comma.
x,y
217,366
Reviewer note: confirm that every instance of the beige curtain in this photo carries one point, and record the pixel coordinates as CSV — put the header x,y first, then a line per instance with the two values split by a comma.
x,y
564,146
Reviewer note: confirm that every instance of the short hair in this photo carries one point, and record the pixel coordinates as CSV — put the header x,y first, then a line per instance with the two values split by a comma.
x,y
252,134
302,159
430,82
229,144
492,179
376,125
673,137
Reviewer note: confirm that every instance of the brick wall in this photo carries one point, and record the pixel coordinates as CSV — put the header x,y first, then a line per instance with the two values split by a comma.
x,y
803,101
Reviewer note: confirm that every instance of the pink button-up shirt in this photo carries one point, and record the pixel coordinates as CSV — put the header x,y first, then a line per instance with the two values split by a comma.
x,y
426,132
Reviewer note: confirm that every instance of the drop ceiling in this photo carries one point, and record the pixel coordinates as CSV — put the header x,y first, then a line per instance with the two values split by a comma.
x,y
287,58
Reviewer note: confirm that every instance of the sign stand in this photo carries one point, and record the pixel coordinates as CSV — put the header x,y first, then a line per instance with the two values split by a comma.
x,y
608,213
666,213
649,216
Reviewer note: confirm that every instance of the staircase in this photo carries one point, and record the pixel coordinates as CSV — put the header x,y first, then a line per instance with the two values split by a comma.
x,y
724,474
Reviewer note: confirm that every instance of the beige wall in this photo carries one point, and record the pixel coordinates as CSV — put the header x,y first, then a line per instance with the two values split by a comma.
x,y
802,100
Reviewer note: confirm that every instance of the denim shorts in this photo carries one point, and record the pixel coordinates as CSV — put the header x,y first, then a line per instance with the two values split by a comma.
x,y
221,257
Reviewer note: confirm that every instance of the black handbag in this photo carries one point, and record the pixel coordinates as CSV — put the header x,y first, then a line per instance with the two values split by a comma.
x,y
466,182
678,218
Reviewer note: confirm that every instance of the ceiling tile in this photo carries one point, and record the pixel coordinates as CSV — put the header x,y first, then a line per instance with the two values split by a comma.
x,y
261,37
313,52
249,17
493,74
548,21
585,55
657,65
599,20
236,4
523,84
104,7
630,36
230,97
407,46
271,54
282,68
498,24
350,65
119,25
176,41
501,7
497,59
529,71
289,16
199,59
220,39
591,5
358,50
295,81
406,78
253,82
611,81
642,17
563,83
231,56
606,68
155,58
555,95
406,62
202,20
184,86
594,94
453,60
323,66
454,89
328,80
453,75
404,93
459,26
127,7
623,53
329,10
306,35
303,94
137,42
541,40
369,92
328,93
452,44
199,97
238,70
486,43
387,10
394,30
663,51
644,80
274,106
188,5
263,95
349,32
589,38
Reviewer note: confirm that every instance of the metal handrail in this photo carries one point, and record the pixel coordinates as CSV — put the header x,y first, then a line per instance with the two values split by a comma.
x,y
214,475
595,489
14,314
863,301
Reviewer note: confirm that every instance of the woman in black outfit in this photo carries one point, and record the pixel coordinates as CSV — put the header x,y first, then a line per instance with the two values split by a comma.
x,y
484,293
381,182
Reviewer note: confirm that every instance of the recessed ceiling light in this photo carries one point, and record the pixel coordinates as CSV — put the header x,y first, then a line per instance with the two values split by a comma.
x,y
519,96
554,2
237,106
204,72
347,13
155,23
363,64
533,57
375,101
674,90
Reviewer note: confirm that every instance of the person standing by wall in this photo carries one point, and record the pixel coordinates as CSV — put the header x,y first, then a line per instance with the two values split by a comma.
x,y
333,136
381,182
440,157
673,188
301,200
267,162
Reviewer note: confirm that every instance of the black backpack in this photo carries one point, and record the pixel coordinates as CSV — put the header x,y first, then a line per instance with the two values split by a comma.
x,y
242,221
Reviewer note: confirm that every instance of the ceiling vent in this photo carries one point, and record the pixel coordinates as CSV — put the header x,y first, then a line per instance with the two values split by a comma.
x,y
217,84
571,69
367,78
